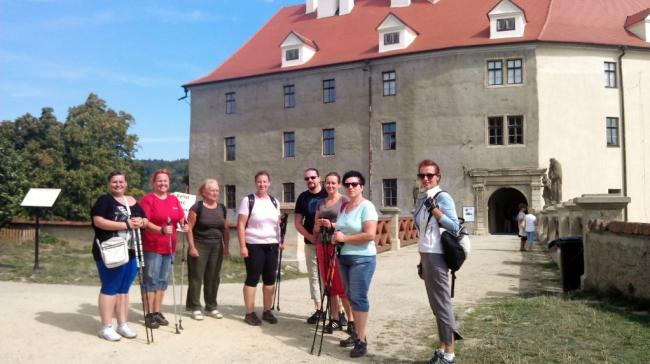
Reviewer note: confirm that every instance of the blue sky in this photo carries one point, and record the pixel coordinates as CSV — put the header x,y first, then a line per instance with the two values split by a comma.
x,y
133,54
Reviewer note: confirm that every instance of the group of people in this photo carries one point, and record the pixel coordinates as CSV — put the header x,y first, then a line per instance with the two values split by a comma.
x,y
527,224
339,234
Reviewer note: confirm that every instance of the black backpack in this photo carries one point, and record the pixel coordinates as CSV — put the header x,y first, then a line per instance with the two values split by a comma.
x,y
251,202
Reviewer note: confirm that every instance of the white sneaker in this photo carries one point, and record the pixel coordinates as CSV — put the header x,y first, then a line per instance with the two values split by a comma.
x,y
197,315
107,333
126,331
215,314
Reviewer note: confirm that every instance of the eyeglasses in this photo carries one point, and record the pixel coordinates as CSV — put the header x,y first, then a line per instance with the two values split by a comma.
x,y
310,178
351,184
427,175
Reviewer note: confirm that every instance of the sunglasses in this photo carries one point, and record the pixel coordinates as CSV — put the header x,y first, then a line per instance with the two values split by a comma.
x,y
426,175
310,178
351,184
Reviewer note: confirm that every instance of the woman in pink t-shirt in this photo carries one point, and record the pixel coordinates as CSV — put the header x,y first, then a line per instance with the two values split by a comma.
x,y
159,243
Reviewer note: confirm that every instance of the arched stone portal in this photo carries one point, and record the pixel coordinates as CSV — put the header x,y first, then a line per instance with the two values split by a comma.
x,y
503,207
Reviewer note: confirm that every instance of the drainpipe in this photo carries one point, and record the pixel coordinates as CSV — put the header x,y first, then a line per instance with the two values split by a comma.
x,y
367,68
623,135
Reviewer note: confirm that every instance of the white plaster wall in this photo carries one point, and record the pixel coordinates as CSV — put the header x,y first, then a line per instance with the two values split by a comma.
x,y
345,6
399,3
573,105
327,8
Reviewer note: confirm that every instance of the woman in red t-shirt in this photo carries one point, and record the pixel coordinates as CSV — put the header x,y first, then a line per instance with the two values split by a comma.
x,y
159,243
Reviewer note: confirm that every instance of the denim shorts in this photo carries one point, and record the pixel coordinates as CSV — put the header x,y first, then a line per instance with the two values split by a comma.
x,y
356,274
530,236
156,271
116,280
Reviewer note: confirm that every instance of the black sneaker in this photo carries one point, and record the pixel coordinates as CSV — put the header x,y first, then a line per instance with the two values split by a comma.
x,y
350,341
268,317
150,321
313,319
333,325
360,349
437,355
351,329
343,319
160,319
252,319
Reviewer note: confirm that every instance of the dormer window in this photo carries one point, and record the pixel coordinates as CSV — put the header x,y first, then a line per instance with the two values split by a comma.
x,y
297,50
394,34
391,38
505,24
639,24
292,54
507,20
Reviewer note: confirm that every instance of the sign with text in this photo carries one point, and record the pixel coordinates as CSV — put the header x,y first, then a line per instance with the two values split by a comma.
x,y
186,201
468,213
40,197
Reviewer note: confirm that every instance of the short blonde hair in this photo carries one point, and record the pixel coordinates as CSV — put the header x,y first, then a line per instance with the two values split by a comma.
x,y
205,183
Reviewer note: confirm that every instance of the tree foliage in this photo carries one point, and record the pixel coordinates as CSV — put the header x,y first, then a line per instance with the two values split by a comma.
x,y
75,156
177,169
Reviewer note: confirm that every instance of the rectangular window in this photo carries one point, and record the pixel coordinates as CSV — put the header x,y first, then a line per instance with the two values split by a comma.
x,y
289,144
495,72
231,202
291,54
329,91
230,148
612,132
391,38
288,192
610,74
390,192
389,83
389,132
289,96
328,142
231,105
516,129
514,70
495,130
505,24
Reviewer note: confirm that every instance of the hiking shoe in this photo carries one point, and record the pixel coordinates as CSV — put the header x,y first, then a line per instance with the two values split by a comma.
x,y
252,319
150,321
342,319
315,317
333,325
197,315
160,319
215,313
350,341
351,329
437,355
268,317
107,333
360,349
125,331
442,360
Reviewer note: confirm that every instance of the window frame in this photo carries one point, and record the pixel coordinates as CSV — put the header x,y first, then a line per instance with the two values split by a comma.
x,y
506,24
231,196
329,91
289,92
608,132
230,149
329,140
391,38
289,145
289,188
610,74
514,70
389,192
516,137
389,84
508,136
388,136
231,102
292,52
497,128
491,81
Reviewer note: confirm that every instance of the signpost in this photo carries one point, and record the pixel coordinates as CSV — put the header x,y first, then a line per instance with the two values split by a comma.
x,y
39,198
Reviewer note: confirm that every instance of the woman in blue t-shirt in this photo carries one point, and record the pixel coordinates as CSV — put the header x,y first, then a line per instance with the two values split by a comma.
x,y
356,226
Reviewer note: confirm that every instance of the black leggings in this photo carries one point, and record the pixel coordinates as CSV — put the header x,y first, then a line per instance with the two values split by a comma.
x,y
262,260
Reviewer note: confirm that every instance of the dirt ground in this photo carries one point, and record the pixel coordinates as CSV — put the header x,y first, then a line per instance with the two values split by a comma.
x,y
59,323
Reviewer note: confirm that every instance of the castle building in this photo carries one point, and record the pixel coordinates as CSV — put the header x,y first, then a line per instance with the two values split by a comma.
x,y
490,89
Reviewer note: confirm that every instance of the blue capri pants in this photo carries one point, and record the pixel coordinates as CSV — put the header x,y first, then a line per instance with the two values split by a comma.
x,y
116,280
156,271
356,274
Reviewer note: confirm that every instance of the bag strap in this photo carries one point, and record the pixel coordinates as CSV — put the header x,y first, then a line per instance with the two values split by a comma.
x,y
453,282
435,197
251,203
343,206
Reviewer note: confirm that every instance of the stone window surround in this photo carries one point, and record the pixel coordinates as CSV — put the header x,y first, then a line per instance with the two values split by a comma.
x,y
389,192
288,192
389,79
505,74
505,137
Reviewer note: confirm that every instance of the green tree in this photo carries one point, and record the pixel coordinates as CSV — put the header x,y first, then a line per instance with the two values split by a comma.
x,y
13,176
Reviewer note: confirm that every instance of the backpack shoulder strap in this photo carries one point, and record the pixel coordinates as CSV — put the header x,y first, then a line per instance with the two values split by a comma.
x,y
274,201
225,211
343,206
251,203
435,197
199,209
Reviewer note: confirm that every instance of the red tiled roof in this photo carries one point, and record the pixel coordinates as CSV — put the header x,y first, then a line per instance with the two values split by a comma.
x,y
446,24
633,19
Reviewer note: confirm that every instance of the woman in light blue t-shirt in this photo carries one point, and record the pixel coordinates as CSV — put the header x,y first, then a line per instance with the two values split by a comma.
x,y
356,226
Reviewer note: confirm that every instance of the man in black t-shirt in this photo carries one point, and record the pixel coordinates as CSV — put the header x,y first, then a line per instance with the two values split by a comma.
x,y
304,222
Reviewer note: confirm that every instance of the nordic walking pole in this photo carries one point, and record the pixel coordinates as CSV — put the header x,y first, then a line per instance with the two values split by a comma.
x,y
169,223
180,318
324,237
328,287
283,231
135,234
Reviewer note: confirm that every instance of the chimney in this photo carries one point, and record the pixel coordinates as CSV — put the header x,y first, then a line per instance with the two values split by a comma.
x,y
400,3
311,6
345,6
327,8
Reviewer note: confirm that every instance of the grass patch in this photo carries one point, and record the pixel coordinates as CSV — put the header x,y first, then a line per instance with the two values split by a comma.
x,y
554,329
67,263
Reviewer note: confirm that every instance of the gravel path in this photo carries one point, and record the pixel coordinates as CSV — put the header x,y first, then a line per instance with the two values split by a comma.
x,y
59,323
